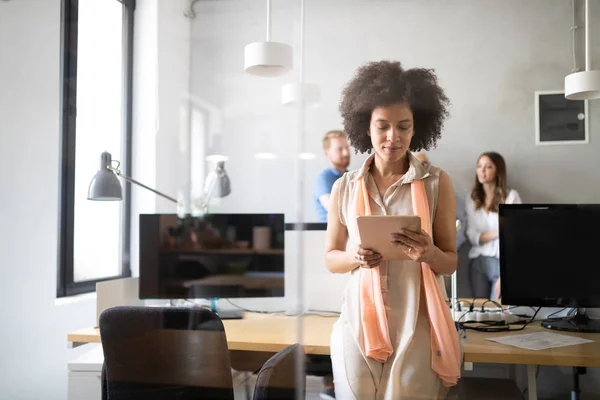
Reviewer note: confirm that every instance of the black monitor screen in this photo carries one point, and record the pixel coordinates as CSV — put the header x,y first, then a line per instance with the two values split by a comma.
x,y
213,256
550,255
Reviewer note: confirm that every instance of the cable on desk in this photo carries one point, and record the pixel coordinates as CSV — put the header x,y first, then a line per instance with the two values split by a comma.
x,y
458,306
493,302
549,317
320,313
323,313
253,311
204,306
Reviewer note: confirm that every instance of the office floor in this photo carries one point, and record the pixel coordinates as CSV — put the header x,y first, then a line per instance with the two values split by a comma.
x,y
314,387
567,396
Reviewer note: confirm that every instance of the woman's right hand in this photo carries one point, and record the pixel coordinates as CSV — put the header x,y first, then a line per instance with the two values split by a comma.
x,y
367,258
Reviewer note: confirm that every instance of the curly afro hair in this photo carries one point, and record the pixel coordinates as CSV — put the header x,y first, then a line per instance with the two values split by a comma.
x,y
384,83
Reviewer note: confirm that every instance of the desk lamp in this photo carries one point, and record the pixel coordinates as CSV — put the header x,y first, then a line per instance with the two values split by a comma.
x,y
105,185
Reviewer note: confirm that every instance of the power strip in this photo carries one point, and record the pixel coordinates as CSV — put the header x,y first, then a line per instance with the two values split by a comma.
x,y
488,315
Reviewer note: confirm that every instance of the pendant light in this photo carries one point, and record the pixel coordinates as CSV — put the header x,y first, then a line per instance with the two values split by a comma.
x,y
584,85
216,151
268,58
266,149
292,92
296,93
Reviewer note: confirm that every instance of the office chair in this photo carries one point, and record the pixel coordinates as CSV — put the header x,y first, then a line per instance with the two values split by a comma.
x,y
277,378
164,353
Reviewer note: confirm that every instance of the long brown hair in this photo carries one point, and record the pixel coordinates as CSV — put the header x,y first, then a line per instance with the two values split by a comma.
x,y
478,194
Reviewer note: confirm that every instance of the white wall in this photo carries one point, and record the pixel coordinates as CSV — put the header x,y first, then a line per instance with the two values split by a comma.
x,y
490,57
34,329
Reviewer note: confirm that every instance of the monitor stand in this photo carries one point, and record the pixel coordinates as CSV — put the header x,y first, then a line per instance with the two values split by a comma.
x,y
579,322
230,314
225,314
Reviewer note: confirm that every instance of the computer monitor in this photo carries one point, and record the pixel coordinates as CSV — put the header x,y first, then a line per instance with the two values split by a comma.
x,y
550,257
212,256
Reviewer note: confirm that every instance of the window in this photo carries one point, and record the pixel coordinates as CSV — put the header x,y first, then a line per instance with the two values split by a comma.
x,y
96,69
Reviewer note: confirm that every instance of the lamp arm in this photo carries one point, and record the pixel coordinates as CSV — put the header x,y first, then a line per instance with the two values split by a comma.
x,y
208,195
128,179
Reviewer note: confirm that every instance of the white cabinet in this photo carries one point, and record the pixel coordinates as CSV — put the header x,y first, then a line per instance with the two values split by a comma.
x,y
85,374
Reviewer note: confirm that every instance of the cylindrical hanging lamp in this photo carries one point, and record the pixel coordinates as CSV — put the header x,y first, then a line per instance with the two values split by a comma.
x,y
268,58
584,85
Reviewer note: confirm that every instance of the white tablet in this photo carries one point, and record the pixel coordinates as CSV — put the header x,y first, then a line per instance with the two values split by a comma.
x,y
375,231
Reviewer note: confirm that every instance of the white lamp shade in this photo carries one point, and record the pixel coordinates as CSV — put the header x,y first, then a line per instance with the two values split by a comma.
x,y
268,59
291,94
216,157
216,151
307,156
584,85
105,185
217,182
265,155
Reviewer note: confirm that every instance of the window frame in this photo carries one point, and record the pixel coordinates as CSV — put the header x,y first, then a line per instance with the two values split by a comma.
x,y
65,284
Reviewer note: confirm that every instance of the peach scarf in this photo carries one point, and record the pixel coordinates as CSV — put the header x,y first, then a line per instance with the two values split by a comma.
x,y
445,348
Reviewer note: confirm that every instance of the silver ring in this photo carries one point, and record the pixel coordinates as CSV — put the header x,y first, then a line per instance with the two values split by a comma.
x,y
409,249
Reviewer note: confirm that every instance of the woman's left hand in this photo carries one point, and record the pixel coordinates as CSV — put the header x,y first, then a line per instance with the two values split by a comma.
x,y
418,246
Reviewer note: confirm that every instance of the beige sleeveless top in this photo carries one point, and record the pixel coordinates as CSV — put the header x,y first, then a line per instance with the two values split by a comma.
x,y
401,289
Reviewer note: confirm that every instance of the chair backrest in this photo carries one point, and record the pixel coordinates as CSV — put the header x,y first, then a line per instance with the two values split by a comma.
x,y
277,379
164,353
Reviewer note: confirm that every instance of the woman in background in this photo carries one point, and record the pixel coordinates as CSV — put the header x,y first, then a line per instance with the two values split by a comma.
x,y
489,191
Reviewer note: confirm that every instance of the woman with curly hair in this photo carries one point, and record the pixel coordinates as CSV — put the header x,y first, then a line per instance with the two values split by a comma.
x,y
489,191
395,338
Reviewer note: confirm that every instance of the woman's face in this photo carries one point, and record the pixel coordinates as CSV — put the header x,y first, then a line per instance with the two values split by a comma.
x,y
486,170
391,131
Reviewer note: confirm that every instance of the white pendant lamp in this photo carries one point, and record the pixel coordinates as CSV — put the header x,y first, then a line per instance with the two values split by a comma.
x,y
268,58
584,85
265,155
266,149
296,93
307,156
216,152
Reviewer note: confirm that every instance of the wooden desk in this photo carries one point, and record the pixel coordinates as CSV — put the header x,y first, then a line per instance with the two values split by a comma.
x,y
255,332
272,333
480,350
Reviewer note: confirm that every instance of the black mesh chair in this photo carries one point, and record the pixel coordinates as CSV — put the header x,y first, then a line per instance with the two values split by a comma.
x,y
164,353
277,378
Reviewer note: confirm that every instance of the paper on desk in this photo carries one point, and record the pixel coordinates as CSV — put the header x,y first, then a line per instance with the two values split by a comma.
x,y
539,340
